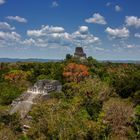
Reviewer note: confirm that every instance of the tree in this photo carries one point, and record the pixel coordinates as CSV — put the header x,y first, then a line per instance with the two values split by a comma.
x,y
75,72
15,76
68,56
118,114
8,93
10,126
137,120
58,120
18,78
7,134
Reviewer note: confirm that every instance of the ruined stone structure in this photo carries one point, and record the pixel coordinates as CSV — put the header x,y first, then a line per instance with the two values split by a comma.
x,y
79,53
46,86
41,88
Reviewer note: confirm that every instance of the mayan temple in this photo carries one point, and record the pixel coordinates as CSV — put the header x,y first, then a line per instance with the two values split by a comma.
x,y
79,53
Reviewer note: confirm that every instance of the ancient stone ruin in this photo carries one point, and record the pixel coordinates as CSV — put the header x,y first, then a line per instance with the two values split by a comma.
x,y
41,88
79,53
46,86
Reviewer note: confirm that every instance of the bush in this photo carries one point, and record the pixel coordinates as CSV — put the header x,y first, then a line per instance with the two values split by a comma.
x,y
7,134
136,97
53,120
8,93
137,120
118,114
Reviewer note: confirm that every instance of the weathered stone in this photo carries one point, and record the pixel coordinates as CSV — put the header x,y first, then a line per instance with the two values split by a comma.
x,y
79,53
42,87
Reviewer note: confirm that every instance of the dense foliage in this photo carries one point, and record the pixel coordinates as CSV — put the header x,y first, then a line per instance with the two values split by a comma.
x,y
99,101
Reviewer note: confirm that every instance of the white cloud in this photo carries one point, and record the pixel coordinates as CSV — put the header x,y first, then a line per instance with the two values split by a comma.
x,y
56,29
132,21
108,3
9,38
137,35
53,37
96,18
118,33
130,46
54,4
45,30
83,29
118,8
17,18
5,25
2,2
99,49
84,34
125,46
29,42
34,33
50,36
84,38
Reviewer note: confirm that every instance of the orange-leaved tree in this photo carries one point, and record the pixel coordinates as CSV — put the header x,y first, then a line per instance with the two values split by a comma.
x,y
18,78
75,72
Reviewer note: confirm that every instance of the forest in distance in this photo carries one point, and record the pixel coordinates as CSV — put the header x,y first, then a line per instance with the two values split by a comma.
x,y
98,101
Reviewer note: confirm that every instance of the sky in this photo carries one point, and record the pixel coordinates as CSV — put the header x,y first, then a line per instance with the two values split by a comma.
x,y
50,29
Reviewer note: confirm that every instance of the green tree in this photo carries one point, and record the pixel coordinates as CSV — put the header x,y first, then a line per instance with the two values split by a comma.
x,y
118,115
8,93
68,56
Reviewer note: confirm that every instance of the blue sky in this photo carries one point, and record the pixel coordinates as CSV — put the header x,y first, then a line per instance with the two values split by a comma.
x,y
106,29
